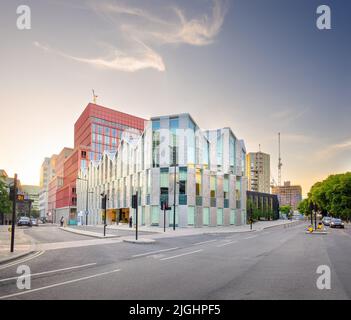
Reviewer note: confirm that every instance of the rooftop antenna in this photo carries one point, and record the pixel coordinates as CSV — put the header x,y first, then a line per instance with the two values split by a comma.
x,y
94,97
279,163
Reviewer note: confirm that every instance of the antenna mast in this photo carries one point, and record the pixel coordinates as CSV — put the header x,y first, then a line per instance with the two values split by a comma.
x,y
279,163
94,97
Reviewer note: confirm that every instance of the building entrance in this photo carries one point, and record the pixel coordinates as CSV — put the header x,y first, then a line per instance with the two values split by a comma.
x,y
123,215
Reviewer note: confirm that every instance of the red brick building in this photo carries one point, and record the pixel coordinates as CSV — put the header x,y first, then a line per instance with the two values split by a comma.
x,y
97,129
57,181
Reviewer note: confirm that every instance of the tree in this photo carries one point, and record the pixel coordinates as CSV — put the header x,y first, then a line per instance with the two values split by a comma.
x,y
333,195
285,209
304,207
5,203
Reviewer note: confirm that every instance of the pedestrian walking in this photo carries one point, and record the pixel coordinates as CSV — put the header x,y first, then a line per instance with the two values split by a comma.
x,y
130,222
62,220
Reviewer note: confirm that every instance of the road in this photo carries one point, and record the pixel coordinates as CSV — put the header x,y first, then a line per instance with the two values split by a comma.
x,y
277,263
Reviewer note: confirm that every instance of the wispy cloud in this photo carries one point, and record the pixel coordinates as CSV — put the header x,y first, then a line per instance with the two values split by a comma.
x,y
145,31
288,115
334,149
118,60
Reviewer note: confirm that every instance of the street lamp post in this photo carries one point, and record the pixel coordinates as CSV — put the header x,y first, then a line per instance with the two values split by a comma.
x,y
13,213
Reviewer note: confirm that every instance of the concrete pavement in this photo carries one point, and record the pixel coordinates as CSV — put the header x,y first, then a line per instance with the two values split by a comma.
x,y
24,244
149,232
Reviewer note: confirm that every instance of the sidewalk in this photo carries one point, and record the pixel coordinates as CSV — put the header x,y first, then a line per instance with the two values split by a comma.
x,y
157,232
23,245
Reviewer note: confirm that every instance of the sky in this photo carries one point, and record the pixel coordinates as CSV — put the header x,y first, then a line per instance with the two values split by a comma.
x,y
257,66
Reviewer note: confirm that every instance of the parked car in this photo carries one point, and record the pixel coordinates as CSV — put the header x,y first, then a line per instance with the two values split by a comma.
x,y
326,221
24,221
35,222
337,223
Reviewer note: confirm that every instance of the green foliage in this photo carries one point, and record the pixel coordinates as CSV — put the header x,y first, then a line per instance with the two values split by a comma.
x,y
5,203
304,207
285,209
333,195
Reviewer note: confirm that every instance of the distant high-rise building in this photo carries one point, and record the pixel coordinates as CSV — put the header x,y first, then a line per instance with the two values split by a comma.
x,y
288,194
32,193
47,172
258,171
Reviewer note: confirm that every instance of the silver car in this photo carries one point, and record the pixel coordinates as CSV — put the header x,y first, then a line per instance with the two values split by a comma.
x,y
326,221
337,223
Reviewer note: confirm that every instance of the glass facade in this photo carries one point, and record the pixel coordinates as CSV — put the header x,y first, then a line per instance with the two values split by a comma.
x,y
219,217
219,149
231,151
206,216
191,215
156,143
190,138
173,140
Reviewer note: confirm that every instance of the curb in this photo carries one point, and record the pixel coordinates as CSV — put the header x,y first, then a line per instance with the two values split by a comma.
x,y
283,225
139,241
90,234
317,232
225,232
16,257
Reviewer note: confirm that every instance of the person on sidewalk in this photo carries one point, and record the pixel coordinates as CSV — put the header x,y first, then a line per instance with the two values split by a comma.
x,y
62,220
130,222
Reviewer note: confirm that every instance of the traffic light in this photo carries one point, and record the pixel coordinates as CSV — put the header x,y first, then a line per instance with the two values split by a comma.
x,y
103,202
12,193
134,201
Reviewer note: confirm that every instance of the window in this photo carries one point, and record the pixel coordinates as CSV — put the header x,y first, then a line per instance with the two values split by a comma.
x,y
213,186
206,216
107,131
164,184
206,153
84,154
219,148
182,179
156,144
191,215
198,182
107,140
232,150
219,217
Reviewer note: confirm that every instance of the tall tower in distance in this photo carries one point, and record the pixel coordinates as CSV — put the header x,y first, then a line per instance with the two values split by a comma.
x,y
279,163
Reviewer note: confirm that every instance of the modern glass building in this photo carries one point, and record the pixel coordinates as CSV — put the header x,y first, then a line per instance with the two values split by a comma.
x,y
204,171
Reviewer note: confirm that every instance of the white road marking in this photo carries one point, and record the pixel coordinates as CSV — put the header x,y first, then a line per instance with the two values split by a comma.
x,y
51,271
153,252
58,284
198,243
180,255
227,243
22,260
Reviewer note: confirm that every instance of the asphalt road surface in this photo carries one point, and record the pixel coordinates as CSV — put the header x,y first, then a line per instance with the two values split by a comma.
x,y
274,264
